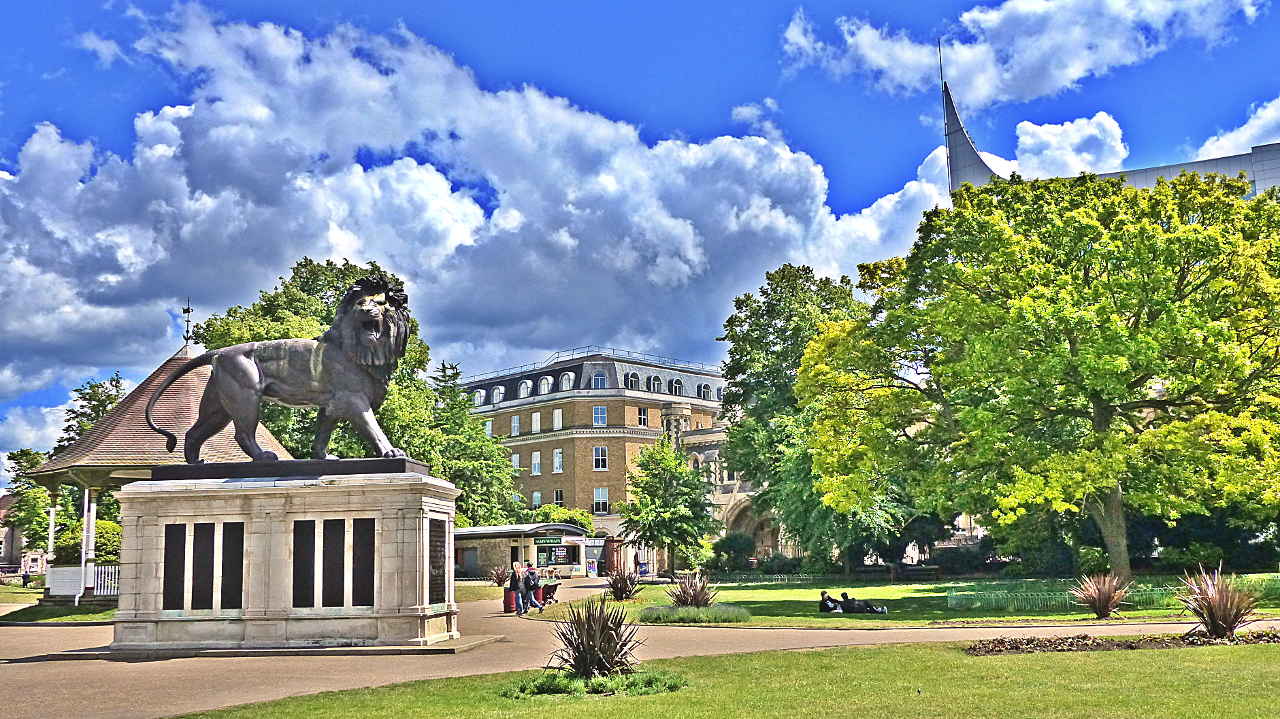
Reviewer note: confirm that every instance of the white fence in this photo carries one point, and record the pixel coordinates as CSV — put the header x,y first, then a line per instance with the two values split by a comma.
x,y
65,581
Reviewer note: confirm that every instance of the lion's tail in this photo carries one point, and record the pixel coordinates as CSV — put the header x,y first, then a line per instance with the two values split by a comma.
x,y
172,440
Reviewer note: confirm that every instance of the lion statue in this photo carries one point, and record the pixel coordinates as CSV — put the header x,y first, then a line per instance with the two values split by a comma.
x,y
343,372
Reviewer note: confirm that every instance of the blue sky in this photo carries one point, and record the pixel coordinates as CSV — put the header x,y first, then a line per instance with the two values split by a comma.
x,y
543,175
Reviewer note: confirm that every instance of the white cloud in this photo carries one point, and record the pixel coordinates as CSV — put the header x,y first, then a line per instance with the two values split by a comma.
x,y
521,223
106,50
758,117
1262,127
34,427
1018,50
1092,144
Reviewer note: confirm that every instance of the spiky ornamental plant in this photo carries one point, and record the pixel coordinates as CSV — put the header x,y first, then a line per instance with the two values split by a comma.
x,y
1221,606
692,590
1102,593
499,575
595,640
624,585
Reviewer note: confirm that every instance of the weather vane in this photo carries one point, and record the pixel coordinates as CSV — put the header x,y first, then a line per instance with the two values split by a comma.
x,y
186,316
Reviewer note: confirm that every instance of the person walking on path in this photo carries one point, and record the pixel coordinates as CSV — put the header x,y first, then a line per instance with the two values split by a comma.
x,y
516,584
530,586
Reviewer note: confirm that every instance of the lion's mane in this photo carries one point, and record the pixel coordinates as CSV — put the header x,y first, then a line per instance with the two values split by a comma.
x,y
386,353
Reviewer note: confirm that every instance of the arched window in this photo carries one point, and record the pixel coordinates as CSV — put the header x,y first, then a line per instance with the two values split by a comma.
x,y
477,397
675,386
633,380
497,394
544,385
704,391
654,384
599,381
566,381
696,463
719,394
525,389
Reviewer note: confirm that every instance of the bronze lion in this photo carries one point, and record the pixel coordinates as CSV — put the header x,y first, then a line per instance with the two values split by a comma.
x,y
343,372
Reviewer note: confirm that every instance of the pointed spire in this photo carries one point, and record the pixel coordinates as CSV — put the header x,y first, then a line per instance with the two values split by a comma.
x,y
964,164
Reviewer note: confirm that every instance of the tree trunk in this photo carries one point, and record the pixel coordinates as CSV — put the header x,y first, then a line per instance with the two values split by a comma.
x,y
1108,514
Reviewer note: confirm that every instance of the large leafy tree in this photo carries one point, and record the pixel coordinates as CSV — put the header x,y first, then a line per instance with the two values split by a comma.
x,y
1073,344
768,436
428,417
669,505
30,511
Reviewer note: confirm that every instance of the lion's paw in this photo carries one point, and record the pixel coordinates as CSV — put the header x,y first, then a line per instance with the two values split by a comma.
x,y
268,457
393,453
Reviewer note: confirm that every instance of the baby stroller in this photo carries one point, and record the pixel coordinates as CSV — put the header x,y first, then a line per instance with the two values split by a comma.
x,y
549,593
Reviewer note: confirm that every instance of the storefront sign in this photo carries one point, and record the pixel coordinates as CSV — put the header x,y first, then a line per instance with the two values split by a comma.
x,y
548,540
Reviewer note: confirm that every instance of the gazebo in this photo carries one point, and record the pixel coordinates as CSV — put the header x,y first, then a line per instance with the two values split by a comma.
x,y
120,449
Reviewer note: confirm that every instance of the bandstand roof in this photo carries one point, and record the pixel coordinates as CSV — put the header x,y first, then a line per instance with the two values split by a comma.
x,y
122,445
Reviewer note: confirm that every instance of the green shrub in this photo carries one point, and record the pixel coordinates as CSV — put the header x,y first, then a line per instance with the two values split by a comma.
x,y
1194,556
816,564
714,614
957,560
106,545
733,550
566,684
623,585
555,514
1102,593
1092,561
779,564
1014,570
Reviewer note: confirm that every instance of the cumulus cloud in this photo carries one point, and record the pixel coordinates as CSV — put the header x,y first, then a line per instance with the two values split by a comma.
x,y
1018,50
1086,144
758,117
1262,127
34,427
106,50
522,223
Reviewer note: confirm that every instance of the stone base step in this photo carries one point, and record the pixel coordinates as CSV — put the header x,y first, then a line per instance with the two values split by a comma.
x,y
451,646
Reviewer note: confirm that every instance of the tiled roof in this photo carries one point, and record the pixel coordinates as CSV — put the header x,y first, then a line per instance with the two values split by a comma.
x,y
123,439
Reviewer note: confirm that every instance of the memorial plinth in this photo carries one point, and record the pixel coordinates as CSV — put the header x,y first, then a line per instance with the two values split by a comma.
x,y
286,554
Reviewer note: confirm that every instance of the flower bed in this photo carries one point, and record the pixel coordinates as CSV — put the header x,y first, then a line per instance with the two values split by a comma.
x,y
1086,643
714,614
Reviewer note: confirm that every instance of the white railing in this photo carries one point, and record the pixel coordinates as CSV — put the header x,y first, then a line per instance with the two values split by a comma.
x,y
106,581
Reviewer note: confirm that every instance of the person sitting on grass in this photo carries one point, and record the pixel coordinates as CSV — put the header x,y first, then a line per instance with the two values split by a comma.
x,y
827,604
850,605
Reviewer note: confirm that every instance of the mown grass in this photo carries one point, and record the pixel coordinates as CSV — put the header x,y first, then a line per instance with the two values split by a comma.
x,y
59,614
476,592
795,605
11,594
869,683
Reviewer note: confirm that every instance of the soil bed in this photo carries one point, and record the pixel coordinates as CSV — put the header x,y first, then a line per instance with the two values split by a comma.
x,y
1086,643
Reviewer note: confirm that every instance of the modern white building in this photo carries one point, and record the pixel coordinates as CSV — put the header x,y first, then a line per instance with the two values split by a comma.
x,y
965,164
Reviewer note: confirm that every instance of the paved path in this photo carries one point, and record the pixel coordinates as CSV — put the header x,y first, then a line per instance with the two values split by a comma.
x,y
161,688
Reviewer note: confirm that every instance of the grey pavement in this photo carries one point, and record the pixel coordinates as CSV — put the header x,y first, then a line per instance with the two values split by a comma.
x,y
96,688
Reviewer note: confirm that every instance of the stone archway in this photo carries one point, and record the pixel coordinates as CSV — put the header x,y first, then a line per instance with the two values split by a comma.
x,y
743,517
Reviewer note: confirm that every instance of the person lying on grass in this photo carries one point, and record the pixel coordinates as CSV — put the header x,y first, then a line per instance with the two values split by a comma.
x,y
827,604
849,605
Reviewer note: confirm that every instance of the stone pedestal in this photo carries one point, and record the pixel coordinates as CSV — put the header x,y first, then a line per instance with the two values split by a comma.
x,y
321,560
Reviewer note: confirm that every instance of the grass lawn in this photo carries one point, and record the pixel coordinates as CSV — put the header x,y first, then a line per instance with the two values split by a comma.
x,y
59,614
795,605
868,683
10,594
476,592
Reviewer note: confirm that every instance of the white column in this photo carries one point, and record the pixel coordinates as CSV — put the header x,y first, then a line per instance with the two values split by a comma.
x,y
318,557
187,570
217,567
91,537
348,546
53,521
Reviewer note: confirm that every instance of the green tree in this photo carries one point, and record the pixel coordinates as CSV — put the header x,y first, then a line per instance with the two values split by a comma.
x,y
1072,344
554,513
670,505
428,417
768,436
29,512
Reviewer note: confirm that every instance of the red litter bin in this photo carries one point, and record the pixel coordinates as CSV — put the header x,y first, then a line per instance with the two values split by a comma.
x,y
537,594
508,601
